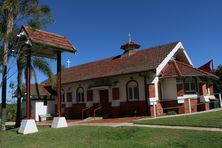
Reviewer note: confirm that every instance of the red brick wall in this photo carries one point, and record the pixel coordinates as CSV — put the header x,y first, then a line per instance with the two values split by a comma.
x,y
159,109
115,111
75,111
194,106
211,89
133,108
204,88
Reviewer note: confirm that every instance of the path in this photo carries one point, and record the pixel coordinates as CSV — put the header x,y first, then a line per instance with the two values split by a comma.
x,y
151,126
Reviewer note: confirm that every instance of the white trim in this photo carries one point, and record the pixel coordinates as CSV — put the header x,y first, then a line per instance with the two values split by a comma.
x,y
207,98
188,58
169,57
153,100
180,99
115,103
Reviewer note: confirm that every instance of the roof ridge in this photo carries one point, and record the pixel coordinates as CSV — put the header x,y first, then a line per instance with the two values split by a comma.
x,y
126,57
44,31
192,67
157,46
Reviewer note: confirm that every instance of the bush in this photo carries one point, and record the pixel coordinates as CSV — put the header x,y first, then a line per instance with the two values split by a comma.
x,y
10,112
171,113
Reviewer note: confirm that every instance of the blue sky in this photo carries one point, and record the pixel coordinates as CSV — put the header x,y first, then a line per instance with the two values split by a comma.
x,y
98,27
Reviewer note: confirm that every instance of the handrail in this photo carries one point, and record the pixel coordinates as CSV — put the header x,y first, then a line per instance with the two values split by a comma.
x,y
98,108
83,110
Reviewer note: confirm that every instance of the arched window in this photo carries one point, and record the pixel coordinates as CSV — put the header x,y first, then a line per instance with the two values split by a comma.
x,y
80,95
189,85
132,90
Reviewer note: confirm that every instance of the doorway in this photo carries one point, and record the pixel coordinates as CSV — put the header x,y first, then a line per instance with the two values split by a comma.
x,y
104,101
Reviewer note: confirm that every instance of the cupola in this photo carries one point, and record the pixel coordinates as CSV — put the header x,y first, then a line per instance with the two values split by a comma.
x,y
130,47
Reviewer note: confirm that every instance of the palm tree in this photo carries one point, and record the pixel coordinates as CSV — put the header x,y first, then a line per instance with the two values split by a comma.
x,y
12,13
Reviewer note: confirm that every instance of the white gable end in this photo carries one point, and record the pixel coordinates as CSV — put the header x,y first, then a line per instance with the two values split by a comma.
x,y
170,56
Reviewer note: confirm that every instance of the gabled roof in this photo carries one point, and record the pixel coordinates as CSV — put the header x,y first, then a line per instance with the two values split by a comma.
x,y
48,38
41,88
142,60
176,68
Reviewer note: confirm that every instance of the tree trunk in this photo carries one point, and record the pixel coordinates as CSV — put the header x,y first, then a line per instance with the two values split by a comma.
x,y
19,95
9,26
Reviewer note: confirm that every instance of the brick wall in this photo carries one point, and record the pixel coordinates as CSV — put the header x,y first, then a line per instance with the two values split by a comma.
x,y
159,109
138,108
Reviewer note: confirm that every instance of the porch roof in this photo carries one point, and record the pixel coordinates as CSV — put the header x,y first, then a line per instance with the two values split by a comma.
x,y
46,43
179,69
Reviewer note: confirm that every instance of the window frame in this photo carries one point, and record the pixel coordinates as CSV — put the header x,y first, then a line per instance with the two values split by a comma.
x,y
190,82
131,93
78,95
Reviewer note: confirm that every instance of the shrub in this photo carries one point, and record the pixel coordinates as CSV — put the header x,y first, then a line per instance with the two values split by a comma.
x,y
171,113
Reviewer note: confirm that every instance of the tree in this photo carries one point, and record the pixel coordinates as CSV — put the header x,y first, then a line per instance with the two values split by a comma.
x,y
12,13
218,84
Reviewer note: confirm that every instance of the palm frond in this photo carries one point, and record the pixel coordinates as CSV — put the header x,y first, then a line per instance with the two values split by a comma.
x,y
43,66
36,81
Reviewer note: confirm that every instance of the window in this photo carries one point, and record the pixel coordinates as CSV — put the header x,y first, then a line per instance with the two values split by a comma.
x,y
69,97
63,97
132,90
80,95
189,85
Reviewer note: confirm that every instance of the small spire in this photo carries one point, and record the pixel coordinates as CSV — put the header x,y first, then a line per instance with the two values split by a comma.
x,y
129,35
68,63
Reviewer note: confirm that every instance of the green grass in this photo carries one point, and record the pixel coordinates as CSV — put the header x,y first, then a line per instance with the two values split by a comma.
x,y
108,137
210,119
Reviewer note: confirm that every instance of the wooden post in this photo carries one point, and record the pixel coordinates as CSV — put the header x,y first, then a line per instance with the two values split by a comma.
x,y
220,100
189,105
154,108
59,83
28,73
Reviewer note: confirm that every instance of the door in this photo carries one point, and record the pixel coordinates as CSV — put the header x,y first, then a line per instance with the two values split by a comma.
x,y
104,101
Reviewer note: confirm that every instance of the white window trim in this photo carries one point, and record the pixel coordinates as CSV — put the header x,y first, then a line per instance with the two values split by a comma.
x,y
81,92
133,92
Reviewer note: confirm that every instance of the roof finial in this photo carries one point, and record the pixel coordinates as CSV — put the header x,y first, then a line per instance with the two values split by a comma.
x,y
129,35
68,63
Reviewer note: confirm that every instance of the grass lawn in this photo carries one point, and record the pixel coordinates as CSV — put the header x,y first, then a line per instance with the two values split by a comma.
x,y
107,137
210,119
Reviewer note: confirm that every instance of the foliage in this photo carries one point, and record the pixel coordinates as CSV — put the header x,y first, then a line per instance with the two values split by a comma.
x,y
210,119
218,84
10,112
13,13
218,71
171,113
